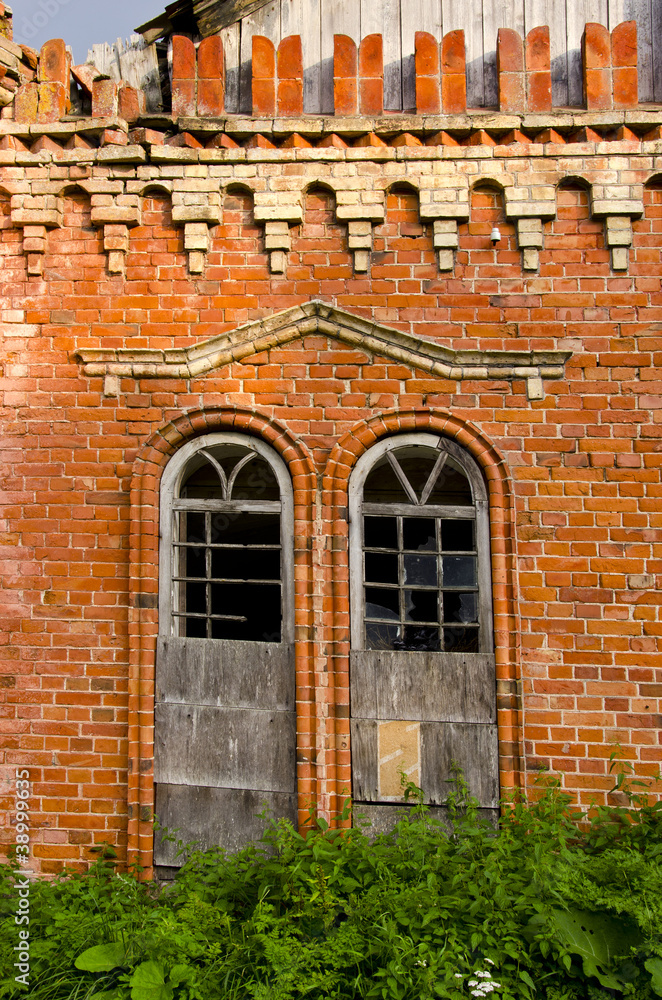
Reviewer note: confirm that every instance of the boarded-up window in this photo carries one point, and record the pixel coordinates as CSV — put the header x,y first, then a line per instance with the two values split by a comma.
x,y
225,724
422,665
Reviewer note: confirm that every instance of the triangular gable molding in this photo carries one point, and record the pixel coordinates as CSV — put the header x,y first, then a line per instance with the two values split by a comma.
x,y
320,317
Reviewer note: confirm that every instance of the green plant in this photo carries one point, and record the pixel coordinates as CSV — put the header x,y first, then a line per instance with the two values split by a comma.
x,y
548,903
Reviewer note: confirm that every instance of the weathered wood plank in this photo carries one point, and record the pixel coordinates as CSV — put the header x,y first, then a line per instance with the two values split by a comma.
x,y
225,747
212,16
302,17
383,18
641,12
656,34
227,817
442,687
364,739
339,17
224,673
231,46
474,748
265,21
415,15
552,13
454,17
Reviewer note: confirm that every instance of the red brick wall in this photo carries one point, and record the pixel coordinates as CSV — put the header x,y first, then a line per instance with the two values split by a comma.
x,y
574,482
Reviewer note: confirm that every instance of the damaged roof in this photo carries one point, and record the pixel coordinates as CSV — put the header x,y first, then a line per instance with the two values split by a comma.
x,y
199,17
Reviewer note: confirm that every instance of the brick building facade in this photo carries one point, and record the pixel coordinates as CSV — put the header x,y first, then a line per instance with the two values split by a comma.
x,y
313,294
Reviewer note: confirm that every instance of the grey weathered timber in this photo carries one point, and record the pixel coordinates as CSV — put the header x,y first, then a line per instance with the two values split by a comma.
x,y
133,61
435,687
224,747
474,748
365,784
232,51
223,672
212,816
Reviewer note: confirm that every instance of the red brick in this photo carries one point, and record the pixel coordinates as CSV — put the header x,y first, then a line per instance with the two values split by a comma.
x,y
54,62
596,67
210,98
539,76
427,70
626,87
52,102
184,98
104,98
211,60
264,76
130,103
598,89
510,51
290,77
371,76
624,44
183,58
453,73
26,103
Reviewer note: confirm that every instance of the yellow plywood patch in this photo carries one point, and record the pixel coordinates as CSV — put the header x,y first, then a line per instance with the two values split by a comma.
x,y
399,748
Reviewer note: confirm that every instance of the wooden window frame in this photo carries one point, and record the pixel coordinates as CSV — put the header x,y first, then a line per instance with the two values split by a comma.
x,y
479,511
175,472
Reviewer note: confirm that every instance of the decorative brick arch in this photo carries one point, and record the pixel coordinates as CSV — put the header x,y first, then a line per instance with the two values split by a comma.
x,y
504,576
148,468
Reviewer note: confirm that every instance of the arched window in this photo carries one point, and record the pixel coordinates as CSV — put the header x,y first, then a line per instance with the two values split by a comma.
x,y
421,548
227,510
422,666
224,713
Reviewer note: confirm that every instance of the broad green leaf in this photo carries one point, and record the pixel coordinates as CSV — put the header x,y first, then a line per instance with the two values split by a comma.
x,y
101,957
148,983
597,938
654,966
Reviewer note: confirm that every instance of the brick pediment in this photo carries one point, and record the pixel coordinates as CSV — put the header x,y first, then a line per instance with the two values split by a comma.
x,y
320,317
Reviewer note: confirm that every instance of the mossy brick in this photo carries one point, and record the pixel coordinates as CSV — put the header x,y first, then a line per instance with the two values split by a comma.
x,y
104,98
26,103
52,102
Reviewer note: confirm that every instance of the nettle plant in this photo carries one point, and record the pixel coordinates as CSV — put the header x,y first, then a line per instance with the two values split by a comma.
x,y
550,904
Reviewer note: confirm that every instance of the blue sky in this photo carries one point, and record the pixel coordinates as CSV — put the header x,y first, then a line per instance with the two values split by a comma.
x,y
80,22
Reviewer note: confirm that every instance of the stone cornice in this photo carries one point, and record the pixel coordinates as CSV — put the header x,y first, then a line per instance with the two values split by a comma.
x,y
319,317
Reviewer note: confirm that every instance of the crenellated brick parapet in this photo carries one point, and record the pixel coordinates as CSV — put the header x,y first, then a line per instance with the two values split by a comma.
x,y
198,85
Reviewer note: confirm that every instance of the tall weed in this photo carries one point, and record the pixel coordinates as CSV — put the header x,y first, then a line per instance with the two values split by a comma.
x,y
551,904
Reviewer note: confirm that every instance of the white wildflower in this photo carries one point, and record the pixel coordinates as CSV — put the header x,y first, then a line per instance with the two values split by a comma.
x,y
458,975
489,961
484,975
474,982
476,993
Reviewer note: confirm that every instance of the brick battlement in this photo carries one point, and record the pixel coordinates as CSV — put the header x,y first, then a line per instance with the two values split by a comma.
x,y
609,66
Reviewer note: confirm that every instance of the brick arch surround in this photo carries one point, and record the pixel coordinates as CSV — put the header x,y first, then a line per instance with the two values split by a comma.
x,y
341,462
148,468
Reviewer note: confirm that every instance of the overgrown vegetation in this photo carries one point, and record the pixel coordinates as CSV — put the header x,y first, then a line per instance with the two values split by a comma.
x,y
548,905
